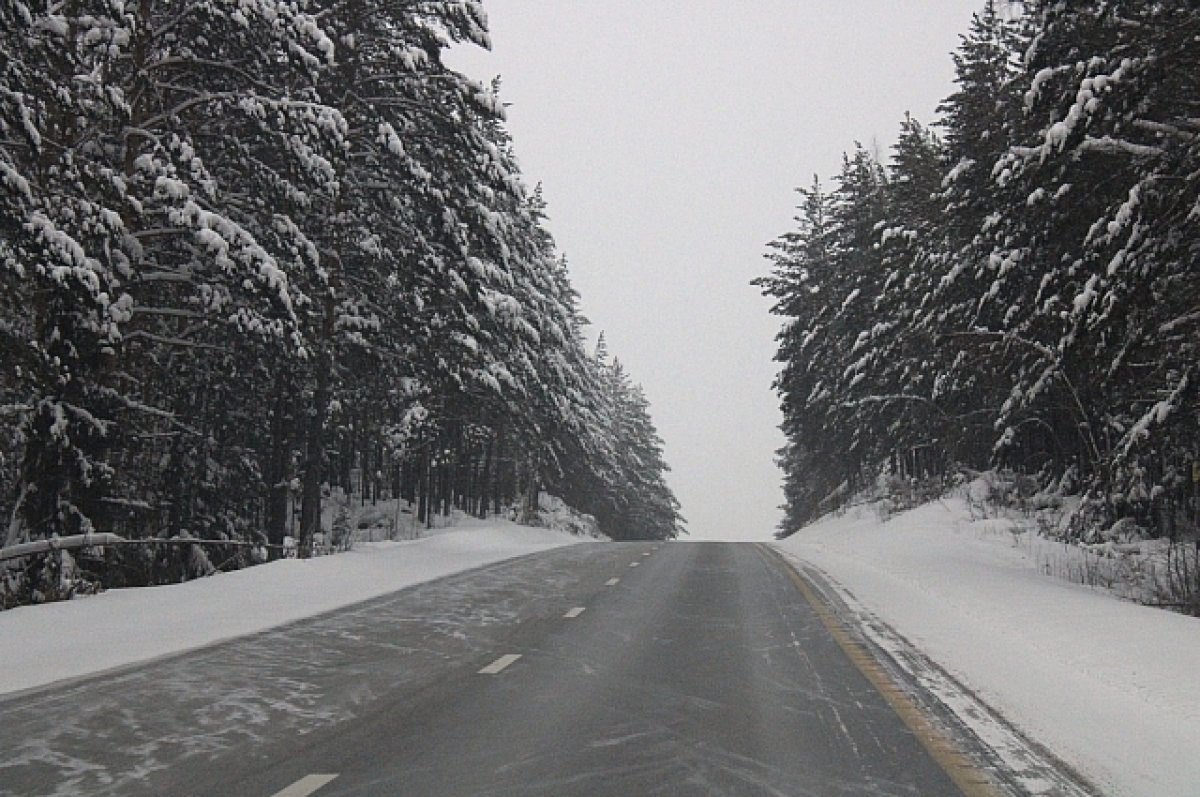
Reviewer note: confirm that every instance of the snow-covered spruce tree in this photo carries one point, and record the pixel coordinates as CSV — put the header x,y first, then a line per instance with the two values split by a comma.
x,y
953,260
584,446
1108,178
800,261
828,276
634,502
548,418
856,384
851,287
892,370
61,259
1013,321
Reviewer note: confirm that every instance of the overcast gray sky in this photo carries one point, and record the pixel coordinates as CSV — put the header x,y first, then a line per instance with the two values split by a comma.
x,y
669,137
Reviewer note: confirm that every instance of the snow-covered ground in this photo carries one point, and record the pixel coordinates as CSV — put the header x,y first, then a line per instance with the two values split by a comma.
x,y
43,644
1111,687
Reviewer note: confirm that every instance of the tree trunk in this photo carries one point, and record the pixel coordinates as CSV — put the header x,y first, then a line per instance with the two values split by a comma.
x,y
532,488
310,507
422,484
485,473
497,487
279,464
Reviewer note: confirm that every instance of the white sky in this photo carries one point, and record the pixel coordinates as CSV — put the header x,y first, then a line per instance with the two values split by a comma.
x,y
669,137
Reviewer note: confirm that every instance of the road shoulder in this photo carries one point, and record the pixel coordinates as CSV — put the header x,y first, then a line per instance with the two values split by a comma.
x,y
982,751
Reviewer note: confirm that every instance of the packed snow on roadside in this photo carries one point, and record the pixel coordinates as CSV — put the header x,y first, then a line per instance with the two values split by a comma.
x,y
51,642
1109,686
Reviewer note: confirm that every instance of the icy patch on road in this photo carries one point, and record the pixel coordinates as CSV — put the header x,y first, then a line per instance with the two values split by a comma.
x,y
43,644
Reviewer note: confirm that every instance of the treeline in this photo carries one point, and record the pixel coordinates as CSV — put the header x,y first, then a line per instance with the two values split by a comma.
x,y
1019,291
250,249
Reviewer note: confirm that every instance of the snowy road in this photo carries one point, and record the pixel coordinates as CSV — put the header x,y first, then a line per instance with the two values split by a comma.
x,y
599,669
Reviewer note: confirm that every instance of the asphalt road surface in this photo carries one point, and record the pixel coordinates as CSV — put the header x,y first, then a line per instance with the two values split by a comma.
x,y
597,669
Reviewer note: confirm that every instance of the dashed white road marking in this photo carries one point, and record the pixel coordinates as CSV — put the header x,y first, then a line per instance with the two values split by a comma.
x,y
573,613
634,564
647,553
305,786
499,664
612,582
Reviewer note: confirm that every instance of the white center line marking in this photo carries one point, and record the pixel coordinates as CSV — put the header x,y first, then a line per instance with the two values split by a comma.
x,y
612,582
305,786
499,664
647,553
634,564
573,613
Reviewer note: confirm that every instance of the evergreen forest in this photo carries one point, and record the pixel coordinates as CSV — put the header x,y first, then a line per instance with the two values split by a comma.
x,y
1017,286
254,251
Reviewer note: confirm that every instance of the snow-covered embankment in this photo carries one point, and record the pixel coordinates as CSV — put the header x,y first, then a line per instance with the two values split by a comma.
x,y
1111,687
43,644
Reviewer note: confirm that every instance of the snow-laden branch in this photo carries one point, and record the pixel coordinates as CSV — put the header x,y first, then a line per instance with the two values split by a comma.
x,y
908,397
1157,415
1118,146
16,529
174,312
1175,323
1054,361
1164,129
222,66
141,333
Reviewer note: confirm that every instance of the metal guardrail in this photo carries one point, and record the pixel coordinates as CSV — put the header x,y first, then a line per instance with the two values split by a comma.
x,y
106,539
97,540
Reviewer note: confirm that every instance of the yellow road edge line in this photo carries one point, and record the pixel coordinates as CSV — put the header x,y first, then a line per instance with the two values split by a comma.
x,y
970,780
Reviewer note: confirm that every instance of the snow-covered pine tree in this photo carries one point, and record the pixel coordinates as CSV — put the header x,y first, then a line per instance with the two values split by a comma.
x,y
233,155
188,127
411,250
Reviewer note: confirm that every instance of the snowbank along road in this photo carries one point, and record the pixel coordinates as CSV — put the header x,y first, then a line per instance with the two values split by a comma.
x,y
598,669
